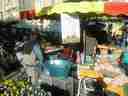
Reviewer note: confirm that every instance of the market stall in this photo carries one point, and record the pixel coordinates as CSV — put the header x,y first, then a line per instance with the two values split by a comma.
x,y
105,66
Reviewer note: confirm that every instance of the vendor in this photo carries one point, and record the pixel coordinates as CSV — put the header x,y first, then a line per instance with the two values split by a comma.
x,y
37,50
36,47
104,59
107,68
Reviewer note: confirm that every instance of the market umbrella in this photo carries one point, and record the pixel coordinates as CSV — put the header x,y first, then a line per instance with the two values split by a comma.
x,y
116,8
74,7
99,7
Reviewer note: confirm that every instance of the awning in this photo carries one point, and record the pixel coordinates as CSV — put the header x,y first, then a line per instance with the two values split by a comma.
x,y
116,8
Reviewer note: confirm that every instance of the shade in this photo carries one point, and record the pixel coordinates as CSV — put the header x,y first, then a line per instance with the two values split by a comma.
x,y
116,8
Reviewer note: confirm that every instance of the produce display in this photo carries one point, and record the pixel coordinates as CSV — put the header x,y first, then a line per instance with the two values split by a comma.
x,y
20,88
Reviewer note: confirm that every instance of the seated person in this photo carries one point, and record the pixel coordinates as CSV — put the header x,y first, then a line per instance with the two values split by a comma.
x,y
103,61
105,67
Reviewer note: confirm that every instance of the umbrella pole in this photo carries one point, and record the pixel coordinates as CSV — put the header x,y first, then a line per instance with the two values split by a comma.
x,y
84,45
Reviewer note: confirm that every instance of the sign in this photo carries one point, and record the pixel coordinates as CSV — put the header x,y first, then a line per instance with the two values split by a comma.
x,y
70,28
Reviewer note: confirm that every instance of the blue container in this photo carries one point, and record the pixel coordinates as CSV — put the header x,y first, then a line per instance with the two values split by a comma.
x,y
59,68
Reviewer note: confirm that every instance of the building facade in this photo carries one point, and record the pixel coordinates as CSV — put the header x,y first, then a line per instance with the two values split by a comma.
x,y
9,10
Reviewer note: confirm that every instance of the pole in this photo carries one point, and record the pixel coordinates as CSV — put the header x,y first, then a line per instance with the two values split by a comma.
x,y
84,45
